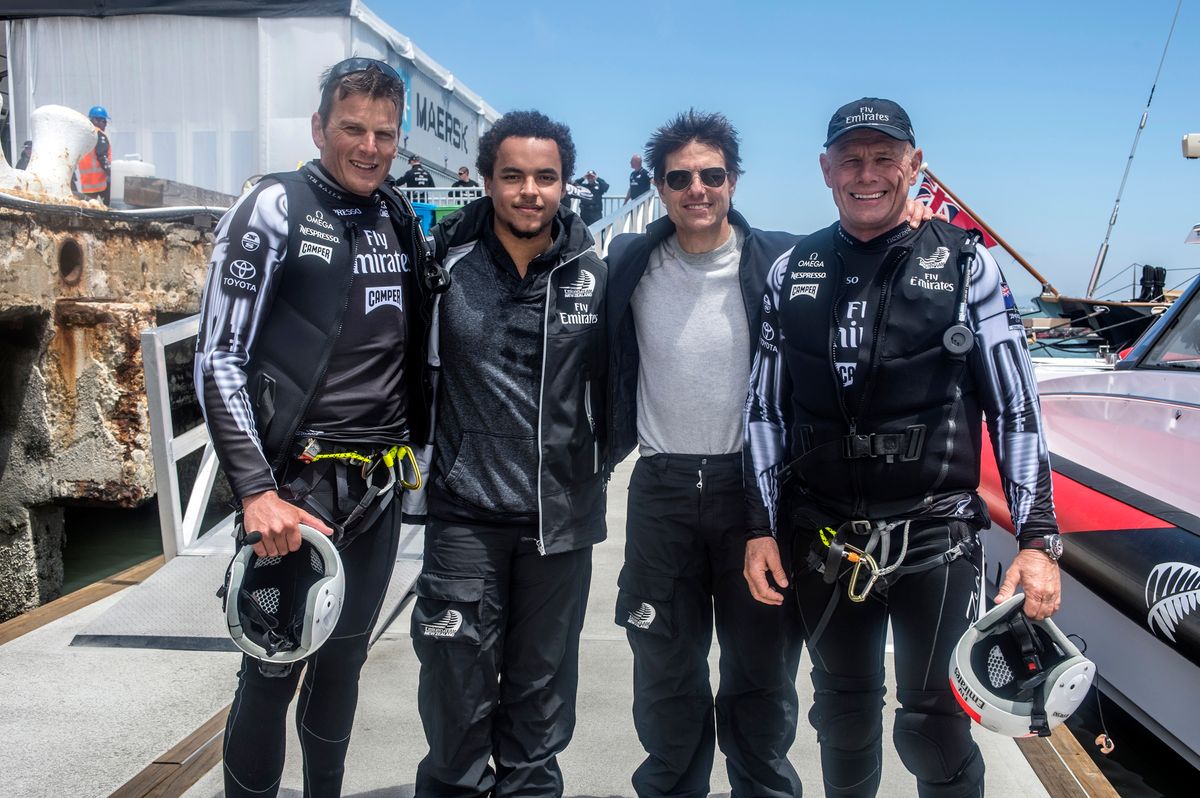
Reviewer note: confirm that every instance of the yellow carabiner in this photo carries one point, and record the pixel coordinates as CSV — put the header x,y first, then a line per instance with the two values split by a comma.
x,y
400,454
859,557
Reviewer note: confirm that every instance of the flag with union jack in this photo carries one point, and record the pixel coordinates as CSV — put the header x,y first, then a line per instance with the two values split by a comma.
x,y
933,195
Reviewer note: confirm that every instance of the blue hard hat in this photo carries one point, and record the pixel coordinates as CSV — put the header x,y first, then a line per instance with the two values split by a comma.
x,y
97,112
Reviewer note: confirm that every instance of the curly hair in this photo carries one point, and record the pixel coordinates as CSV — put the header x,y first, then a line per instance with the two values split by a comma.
x,y
711,129
525,124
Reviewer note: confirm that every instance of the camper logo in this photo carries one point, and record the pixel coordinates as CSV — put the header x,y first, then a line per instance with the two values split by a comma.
x,y
319,250
804,289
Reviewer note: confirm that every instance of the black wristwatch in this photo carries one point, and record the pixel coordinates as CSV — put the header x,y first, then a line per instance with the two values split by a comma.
x,y
1051,545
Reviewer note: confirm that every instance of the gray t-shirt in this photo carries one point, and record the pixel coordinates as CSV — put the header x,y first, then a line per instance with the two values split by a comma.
x,y
695,350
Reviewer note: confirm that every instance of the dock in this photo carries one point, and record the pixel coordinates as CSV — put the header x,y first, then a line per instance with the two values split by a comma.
x,y
135,721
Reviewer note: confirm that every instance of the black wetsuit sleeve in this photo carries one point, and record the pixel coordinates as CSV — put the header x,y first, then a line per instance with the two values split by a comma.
x,y
1008,393
766,416
250,247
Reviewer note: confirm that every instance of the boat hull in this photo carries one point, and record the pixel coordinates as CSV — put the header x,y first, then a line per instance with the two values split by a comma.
x,y
1125,452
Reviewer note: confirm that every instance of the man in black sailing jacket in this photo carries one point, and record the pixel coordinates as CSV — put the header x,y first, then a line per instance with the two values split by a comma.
x,y
880,352
313,327
516,496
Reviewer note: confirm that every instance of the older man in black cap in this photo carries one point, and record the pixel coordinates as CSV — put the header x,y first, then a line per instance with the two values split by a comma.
x,y
865,445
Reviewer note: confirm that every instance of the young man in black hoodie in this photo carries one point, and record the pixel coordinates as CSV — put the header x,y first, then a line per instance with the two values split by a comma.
x,y
516,498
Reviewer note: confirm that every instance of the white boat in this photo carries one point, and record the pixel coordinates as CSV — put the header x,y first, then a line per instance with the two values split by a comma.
x,y
1125,449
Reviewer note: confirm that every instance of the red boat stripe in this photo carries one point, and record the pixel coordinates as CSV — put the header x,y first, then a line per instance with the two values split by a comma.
x,y
1078,507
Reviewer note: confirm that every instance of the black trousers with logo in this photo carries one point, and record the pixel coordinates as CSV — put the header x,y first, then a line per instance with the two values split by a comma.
x,y
496,627
929,611
684,557
256,731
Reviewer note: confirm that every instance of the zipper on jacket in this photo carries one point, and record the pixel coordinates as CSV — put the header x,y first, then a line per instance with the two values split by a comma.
x,y
287,442
587,408
541,540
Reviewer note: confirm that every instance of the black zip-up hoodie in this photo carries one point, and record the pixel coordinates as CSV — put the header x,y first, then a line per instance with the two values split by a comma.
x,y
519,435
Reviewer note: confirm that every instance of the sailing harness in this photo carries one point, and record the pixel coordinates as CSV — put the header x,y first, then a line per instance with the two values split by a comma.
x,y
381,469
873,553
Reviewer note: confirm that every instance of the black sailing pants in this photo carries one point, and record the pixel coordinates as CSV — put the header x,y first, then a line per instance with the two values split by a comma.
x,y
496,627
684,557
929,611
257,727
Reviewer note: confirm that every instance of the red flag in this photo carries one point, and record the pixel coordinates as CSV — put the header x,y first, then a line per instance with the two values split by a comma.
x,y
931,194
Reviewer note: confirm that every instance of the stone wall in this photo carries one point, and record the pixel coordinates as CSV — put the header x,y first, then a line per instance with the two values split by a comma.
x,y
75,294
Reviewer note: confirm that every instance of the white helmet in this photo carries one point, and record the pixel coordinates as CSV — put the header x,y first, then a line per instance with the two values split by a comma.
x,y
1017,676
281,609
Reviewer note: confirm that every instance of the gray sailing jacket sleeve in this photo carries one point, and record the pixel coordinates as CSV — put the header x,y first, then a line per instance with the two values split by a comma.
x,y
1008,394
765,420
250,247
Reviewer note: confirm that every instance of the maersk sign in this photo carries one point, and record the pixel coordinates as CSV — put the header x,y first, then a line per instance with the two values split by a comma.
x,y
439,126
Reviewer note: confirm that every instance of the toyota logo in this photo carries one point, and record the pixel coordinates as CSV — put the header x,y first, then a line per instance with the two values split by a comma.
x,y
768,333
242,269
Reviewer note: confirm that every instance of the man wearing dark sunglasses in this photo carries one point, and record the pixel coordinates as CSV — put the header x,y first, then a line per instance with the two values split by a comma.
x,y
683,305
516,492
311,353
685,302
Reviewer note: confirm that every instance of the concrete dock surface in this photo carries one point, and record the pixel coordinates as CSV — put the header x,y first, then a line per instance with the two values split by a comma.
x,y
83,721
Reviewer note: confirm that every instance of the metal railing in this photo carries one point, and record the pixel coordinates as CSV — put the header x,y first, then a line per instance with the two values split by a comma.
x,y
446,197
630,217
179,523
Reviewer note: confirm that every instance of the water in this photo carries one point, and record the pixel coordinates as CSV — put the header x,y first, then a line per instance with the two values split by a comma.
x,y
1141,766
103,541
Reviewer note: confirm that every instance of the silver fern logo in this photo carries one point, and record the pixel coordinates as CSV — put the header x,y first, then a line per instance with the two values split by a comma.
x,y
642,617
446,626
1172,592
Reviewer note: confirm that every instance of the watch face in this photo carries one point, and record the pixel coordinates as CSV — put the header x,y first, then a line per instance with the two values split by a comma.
x,y
1054,546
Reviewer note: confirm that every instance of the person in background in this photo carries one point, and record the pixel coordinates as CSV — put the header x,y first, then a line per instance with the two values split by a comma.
x,y
639,179
464,181
26,153
592,208
95,167
417,176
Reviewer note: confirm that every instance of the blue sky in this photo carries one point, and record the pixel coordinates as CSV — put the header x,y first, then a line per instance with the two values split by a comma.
x,y
1027,110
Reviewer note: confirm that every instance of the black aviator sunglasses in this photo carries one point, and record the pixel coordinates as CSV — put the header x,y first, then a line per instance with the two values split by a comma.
x,y
680,179
356,64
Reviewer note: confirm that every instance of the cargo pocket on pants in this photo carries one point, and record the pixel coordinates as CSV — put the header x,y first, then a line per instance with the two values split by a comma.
x,y
644,602
447,609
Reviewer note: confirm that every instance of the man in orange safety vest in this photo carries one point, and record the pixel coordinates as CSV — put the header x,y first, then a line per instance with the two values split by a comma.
x,y
95,168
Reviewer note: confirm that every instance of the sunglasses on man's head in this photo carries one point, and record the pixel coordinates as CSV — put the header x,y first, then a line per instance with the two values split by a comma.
x,y
680,179
351,65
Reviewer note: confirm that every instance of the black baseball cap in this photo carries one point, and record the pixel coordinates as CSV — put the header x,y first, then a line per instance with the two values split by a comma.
x,y
873,113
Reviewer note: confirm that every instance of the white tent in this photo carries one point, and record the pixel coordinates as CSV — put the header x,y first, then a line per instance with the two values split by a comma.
x,y
213,92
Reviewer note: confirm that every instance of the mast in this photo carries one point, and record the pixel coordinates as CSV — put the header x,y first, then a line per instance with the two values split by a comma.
x,y
1094,280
